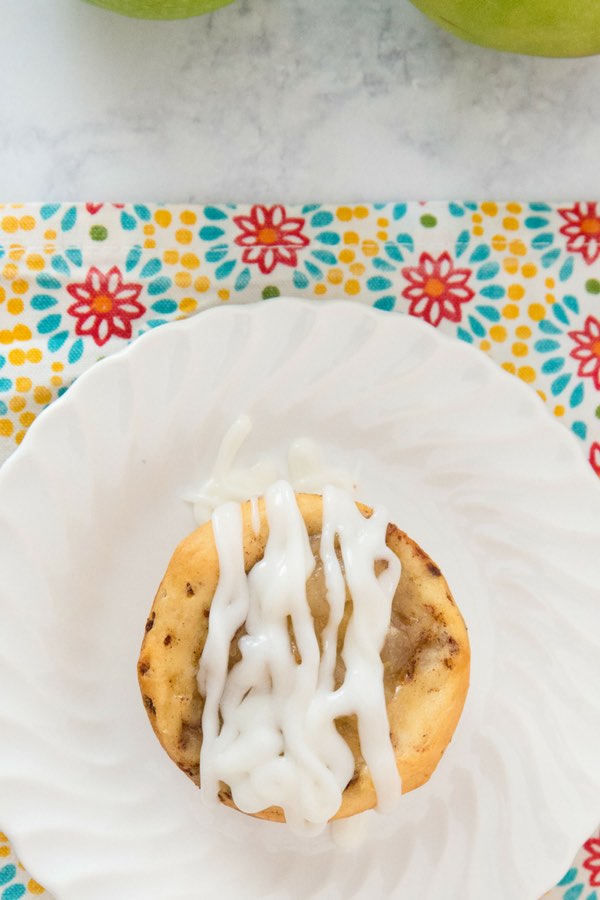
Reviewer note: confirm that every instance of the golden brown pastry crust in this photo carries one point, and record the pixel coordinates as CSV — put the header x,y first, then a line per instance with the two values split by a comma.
x,y
423,712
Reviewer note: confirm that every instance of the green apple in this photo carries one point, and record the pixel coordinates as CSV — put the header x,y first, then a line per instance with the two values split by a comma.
x,y
161,9
535,27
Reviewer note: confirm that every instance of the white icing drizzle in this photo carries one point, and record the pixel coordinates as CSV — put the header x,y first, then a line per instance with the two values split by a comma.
x,y
278,744
362,543
229,610
305,469
228,483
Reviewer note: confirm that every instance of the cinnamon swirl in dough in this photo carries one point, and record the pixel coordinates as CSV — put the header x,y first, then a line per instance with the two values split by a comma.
x,y
425,657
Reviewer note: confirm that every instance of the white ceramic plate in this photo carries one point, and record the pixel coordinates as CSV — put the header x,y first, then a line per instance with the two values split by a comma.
x,y
467,461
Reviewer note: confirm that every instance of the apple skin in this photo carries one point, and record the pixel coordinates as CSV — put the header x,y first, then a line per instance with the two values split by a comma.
x,y
161,9
557,28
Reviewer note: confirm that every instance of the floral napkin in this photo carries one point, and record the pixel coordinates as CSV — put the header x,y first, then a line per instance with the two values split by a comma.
x,y
519,281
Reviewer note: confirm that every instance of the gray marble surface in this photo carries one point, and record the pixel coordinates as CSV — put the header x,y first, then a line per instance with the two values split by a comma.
x,y
295,100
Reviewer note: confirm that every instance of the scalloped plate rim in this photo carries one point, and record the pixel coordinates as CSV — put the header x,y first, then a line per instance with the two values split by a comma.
x,y
147,341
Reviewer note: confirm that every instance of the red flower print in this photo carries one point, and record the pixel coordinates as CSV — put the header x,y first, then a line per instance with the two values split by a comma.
x,y
595,463
105,305
270,237
94,208
587,351
436,289
592,863
582,230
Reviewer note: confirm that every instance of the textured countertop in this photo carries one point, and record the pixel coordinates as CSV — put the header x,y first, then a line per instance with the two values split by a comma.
x,y
293,100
